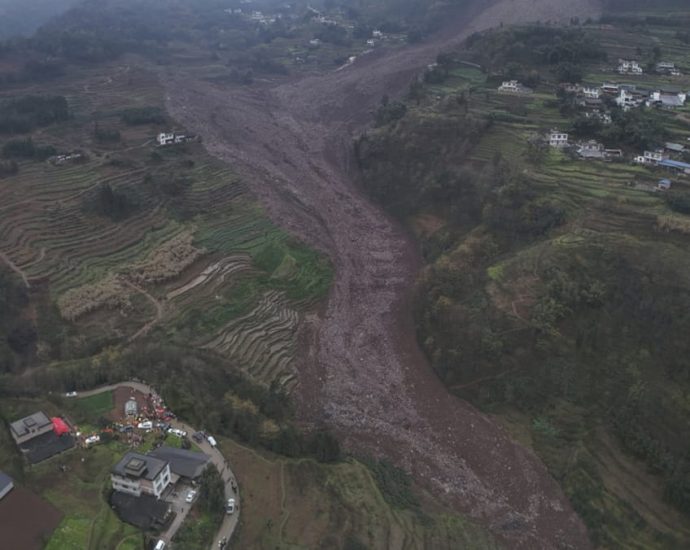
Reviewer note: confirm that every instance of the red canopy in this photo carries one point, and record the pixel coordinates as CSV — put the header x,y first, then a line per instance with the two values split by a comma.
x,y
59,426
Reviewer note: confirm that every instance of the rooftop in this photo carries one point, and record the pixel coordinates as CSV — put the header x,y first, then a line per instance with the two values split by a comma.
x,y
137,465
675,164
5,481
189,464
34,421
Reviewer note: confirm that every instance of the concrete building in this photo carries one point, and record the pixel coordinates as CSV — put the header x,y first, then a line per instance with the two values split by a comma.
x,y
137,474
513,87
32,426
6,484
557,139
626,66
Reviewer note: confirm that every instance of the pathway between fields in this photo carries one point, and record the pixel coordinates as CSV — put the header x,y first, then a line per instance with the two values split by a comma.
x,y
229,524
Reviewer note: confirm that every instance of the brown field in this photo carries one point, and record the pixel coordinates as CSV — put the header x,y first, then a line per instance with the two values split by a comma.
x,y
26,520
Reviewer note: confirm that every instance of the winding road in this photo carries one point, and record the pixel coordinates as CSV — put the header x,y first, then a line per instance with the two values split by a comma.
x,y
361,371
230,521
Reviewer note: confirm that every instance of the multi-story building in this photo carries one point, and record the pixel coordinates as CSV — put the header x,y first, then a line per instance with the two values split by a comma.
x,y
138,474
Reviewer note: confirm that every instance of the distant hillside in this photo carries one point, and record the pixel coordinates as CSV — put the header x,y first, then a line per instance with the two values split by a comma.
x,y
18,18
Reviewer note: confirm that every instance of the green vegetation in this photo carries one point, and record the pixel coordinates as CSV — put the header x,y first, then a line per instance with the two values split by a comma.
x,y
23,114
298,503
555,294
94,406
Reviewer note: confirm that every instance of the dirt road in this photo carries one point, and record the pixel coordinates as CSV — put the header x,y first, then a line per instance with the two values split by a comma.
x,y
362,372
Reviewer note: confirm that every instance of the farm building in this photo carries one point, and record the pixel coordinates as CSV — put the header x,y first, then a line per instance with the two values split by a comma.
x,y
664,185
6,484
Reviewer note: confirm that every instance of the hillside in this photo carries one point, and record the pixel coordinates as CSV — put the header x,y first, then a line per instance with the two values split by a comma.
x,y
555,294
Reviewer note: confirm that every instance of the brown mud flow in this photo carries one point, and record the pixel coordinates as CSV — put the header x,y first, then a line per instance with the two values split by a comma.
x,y
362,373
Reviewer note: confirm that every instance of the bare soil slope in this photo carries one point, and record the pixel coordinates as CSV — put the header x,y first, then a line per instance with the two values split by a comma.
x,y
363,374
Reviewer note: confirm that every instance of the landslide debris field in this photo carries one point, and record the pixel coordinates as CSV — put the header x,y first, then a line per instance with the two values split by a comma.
x,y
361,372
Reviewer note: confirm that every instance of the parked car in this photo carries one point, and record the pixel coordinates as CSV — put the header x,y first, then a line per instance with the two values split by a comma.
x,y
230,506
190,496
160,545
211,441
146,425
178,433
198,437
71,394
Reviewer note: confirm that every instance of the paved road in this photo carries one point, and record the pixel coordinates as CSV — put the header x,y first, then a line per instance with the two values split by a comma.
x,y
180,507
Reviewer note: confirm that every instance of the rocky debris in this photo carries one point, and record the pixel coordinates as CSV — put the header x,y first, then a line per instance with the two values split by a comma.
x,y
362,373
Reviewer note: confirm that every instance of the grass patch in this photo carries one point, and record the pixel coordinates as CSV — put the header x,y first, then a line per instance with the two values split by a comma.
x,y
94,406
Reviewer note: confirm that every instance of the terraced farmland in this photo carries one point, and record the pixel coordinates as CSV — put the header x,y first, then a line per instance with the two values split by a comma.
x,y
192,258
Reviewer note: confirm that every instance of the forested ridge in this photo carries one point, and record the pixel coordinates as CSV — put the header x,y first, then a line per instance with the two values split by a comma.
x,y
571,313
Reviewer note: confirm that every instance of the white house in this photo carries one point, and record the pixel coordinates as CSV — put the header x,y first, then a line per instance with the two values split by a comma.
x,y
628,99
591,93
557,139
650,157
165,138
513,87
377,34
138,474
626,66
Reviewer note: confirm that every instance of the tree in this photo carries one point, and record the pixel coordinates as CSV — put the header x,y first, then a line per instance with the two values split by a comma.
x,y
325,447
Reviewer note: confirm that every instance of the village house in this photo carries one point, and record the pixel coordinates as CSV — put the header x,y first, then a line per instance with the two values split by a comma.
x,y
591,150
610,89
664,184
558,139
171,138
591,92
629,97
136,474
676,148
513,87
667,99
377,34
666,67
650,157
626,66
34,425
604,117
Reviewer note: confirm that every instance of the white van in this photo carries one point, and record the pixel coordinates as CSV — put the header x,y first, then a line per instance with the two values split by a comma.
x,y
160,545
211,441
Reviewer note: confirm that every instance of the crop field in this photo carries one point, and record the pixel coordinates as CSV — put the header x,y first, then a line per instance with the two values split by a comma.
x,y
189,255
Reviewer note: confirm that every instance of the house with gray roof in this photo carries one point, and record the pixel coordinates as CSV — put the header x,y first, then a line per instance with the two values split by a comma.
x,y
184,463
30,427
